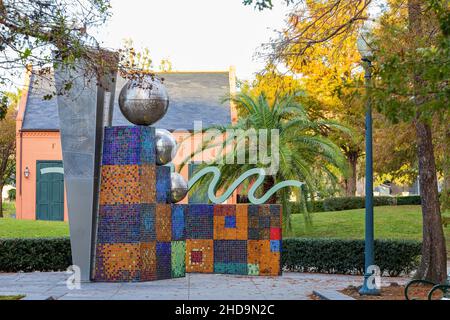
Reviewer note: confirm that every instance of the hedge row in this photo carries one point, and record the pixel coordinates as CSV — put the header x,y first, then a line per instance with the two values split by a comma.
x,y
394,257
348,203
52,254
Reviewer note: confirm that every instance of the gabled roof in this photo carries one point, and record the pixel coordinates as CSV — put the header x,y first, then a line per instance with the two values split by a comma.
x,y
194,96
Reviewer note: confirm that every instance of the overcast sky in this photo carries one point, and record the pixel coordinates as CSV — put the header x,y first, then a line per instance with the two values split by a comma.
x,y
195,34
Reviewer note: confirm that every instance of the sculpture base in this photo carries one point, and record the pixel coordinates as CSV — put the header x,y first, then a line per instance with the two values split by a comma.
x,y
140,236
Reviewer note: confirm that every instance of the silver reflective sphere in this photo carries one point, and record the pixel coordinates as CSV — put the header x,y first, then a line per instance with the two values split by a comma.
x,y
179,187
166,146
144,101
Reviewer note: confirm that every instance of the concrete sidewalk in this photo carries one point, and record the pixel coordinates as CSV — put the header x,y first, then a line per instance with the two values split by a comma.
x,y
292,285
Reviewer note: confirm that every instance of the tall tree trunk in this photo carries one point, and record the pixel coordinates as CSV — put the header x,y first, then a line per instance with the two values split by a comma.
x,y
1,202
350,181
445,197
433,265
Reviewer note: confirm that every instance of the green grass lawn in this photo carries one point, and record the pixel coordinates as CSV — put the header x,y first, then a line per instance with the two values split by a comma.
x,y
12,228
391,222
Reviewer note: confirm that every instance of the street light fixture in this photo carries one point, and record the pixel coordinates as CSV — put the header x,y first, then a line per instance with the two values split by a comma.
x,y
363,42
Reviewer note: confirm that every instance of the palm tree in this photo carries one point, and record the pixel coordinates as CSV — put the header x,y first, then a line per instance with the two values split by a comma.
x,y
303,149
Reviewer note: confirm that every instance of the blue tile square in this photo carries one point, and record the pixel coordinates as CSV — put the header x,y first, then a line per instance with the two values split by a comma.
x,y
163,260
199,222
162,184
121,145
178,221
230,221
230,251
275,245
128,145
119,223
147,145
148,231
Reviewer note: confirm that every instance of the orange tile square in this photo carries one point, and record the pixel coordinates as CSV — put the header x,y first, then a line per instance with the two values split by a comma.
x,y
238,233
127,184
254,251
148,260
163,222
269,263
120,184
119,259
241,222
259,253
147,183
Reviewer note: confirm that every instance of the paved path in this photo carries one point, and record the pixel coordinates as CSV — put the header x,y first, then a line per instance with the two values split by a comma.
x,y
41,285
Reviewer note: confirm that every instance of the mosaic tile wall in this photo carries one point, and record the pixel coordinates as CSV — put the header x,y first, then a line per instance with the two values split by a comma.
x,y
140,235
235,239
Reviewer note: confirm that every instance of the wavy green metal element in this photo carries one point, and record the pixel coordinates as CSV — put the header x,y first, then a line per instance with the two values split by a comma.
x,y
251,197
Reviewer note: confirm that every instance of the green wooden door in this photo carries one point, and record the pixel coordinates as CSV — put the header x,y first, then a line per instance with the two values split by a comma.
x,y
49,190
196,197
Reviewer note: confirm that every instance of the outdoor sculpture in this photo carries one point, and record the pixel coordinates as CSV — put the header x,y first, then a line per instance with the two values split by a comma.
x,y
139,232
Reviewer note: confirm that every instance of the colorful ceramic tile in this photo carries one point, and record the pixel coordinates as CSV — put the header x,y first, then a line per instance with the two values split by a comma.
x,y
179,221
129,145
230,222
163,260
200,255
148,261
178,252
163,222
119,223
199,223
163,184
117,262
147,222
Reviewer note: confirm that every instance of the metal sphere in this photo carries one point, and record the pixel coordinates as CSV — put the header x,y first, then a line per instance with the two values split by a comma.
x,y
144,101
179,187
166,146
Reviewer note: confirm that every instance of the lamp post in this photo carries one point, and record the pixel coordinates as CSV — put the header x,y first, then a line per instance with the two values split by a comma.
x,y
369,286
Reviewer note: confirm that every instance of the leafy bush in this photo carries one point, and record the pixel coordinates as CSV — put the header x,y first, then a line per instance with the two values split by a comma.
x,y
383,201
394,257
408,200
343,203
316,206
42,254
348,203
12,195
312,206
